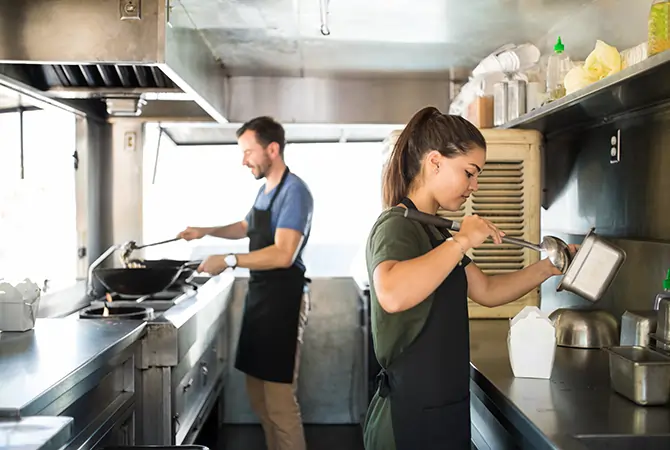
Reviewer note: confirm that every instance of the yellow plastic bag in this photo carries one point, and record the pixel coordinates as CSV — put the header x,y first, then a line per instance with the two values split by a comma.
x,y
603,61
577,78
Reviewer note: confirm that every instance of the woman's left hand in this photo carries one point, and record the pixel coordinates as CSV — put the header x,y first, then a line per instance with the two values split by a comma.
x,y
573,251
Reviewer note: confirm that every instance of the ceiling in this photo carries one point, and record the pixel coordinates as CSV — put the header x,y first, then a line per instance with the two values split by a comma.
x,y
417,38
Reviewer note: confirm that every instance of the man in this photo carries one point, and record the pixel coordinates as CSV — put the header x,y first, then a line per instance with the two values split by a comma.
x,y
278,227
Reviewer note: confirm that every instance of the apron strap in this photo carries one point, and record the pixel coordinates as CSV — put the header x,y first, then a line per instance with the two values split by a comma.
x,y
279,186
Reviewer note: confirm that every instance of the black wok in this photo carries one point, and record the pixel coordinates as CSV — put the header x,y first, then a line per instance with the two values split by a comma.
x,y
142,281
186,272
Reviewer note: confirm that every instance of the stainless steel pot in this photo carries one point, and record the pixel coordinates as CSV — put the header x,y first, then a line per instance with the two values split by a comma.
x,y
593,268
585,328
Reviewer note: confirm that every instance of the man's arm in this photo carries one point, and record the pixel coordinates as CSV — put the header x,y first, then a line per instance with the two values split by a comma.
x,y
281,255
237,230
292,223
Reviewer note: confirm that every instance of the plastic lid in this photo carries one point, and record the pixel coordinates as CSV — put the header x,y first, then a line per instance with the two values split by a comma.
x,y
559,47
666,282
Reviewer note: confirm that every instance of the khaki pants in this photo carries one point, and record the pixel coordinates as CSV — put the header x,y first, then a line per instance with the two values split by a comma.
x,y
276,404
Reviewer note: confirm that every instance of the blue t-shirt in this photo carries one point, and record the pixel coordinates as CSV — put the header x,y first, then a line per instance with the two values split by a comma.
x,y
292,209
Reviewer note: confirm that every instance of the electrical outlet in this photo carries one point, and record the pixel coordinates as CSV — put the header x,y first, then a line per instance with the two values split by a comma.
x,y
130,9
615,147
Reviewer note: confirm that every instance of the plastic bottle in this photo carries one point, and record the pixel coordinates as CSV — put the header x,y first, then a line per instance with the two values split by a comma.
x,y
665,293
658,27
557,67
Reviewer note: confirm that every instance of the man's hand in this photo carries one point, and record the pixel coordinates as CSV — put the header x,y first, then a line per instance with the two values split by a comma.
x,y
213,265
191,233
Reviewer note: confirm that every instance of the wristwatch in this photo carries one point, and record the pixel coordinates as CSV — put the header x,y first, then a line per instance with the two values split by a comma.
x,y
231,261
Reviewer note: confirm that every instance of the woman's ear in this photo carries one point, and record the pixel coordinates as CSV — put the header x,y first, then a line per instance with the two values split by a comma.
x,y
434,158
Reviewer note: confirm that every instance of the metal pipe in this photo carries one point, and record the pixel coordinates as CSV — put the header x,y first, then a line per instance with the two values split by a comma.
x,y
96,263
324,17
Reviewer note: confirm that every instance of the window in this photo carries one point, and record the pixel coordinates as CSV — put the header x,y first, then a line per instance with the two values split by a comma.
x,y
208,186
38,212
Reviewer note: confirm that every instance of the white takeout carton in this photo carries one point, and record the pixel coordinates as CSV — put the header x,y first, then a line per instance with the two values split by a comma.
x,y
531,344
19,305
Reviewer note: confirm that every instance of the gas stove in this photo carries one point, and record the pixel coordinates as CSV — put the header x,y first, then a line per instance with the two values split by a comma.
x,y
159,301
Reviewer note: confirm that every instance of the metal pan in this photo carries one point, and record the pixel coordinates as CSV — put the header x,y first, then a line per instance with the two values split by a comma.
x,y
185,274
141,281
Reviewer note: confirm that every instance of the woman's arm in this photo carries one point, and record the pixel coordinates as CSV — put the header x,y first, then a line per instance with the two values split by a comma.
x,y
401,285
496,290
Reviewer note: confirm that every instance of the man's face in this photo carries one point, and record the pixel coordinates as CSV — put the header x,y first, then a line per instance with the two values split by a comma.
x,y
256,158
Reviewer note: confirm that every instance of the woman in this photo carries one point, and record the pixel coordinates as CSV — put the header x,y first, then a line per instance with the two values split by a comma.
x,y
421,279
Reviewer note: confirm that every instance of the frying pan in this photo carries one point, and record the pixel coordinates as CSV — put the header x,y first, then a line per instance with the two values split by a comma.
x,y
186,272
143,281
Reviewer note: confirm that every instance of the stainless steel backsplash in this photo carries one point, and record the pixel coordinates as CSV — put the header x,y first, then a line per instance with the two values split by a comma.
x,y
628,203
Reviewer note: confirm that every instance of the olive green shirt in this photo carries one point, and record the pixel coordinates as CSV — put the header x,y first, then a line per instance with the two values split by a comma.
x,y
392,238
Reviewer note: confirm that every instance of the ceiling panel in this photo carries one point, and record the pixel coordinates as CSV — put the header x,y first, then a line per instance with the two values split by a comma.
x,y
420,37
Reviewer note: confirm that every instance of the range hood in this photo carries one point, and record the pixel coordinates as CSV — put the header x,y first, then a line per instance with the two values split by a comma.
x,y
123,52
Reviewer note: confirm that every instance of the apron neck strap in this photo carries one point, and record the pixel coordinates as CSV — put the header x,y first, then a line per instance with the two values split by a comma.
x,y
279,186
408,203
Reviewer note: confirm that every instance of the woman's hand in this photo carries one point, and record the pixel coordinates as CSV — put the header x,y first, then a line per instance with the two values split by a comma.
x,y
573,251
475,230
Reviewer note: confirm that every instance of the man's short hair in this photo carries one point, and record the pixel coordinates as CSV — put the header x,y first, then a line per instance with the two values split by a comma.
x,y
267,131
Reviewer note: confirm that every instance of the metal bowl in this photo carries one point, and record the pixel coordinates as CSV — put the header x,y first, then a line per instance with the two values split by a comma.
x,y
585,328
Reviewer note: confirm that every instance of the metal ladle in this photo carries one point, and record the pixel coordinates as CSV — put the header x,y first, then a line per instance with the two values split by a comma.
x,y
556,249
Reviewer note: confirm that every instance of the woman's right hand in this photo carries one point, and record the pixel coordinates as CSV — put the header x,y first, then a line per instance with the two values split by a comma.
x,y
476,230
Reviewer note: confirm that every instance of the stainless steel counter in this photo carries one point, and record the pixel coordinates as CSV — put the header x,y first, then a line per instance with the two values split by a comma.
x,y
35,433
546,414
38,366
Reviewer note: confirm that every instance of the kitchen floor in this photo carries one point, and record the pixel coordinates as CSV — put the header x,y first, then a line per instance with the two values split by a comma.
x,y
319,437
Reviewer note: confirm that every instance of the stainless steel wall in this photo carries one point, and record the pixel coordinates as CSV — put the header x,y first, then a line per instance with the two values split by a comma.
x,y
331,389
622,23
337,101
626,202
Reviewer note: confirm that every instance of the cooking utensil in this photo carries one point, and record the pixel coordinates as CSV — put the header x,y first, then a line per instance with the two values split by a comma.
x,y
185,274
557,250
636,327
141,281
639,374
584,328
129,247
593,268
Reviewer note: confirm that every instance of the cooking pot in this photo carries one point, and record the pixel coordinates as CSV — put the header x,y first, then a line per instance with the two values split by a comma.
x,y
585,328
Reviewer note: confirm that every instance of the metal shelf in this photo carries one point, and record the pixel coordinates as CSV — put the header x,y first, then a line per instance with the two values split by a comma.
x,y
639,86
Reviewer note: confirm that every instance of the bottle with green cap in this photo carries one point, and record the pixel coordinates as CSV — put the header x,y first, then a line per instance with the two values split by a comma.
x,y
558,66
666,291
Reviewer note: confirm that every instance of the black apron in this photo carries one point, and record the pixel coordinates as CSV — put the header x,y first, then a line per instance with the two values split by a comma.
x,y
269,334
428,384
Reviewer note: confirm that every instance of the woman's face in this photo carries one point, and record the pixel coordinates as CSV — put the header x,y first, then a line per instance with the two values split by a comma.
x,y
452,180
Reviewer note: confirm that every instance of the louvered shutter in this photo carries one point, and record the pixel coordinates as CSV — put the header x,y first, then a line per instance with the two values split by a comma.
x,y
508,196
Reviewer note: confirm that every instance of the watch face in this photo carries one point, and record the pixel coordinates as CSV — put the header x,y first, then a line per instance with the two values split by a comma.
x,y
231,260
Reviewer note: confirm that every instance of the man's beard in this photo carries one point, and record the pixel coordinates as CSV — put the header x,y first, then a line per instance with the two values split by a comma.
x,y
263,169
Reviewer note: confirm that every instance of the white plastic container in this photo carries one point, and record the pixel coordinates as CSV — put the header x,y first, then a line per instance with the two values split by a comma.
x,y
531,344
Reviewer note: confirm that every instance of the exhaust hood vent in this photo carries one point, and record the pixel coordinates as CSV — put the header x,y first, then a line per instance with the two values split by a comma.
x,y
73,51
99,76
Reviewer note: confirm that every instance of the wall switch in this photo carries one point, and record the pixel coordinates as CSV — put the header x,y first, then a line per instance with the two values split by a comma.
x,y
129,141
